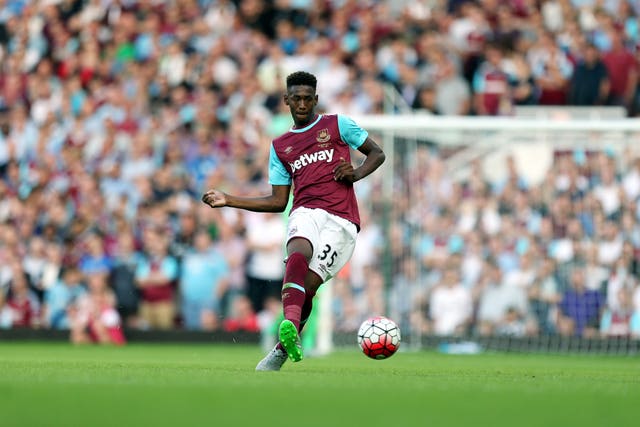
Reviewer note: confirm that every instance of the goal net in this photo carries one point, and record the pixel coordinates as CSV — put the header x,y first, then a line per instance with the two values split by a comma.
x,y
520,227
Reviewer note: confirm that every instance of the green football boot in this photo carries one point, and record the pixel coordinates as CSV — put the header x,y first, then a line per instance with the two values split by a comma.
x,y
290,340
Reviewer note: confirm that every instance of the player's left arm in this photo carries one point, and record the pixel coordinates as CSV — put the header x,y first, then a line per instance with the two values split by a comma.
x,y
374,158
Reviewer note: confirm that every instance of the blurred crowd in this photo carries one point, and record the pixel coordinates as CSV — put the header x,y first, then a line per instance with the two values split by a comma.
x,y
512,257
115,116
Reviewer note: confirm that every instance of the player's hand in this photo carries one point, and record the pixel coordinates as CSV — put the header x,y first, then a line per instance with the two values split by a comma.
x,y
215,198
344,172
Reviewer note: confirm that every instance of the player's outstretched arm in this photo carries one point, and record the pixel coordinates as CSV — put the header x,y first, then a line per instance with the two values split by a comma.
x,y
275,202
375,157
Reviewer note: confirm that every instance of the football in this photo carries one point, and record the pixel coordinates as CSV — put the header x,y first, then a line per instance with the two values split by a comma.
x,y
379,337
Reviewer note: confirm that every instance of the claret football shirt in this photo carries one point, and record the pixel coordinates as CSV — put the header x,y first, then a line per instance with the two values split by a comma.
x,y
306,159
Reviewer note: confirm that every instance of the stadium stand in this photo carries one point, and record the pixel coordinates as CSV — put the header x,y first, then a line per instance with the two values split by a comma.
x,y
116,115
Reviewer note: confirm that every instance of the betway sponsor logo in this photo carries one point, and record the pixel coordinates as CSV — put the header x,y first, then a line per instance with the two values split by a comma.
x,y
307,159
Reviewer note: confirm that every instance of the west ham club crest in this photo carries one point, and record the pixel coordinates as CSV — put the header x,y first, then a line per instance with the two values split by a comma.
x,y
323,135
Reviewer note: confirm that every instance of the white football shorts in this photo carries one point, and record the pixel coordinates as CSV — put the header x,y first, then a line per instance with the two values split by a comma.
x,y
333,239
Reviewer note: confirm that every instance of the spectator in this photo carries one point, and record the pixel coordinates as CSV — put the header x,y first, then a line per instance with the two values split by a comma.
x,y
233,246
622,68
156,273
620,278
491,85
620,321
609,193
426,100
551,70
122,279
468,31
453,96
490,306
22,302
544,295
95,260
60,298
513,324
580,308
407,296
265,266
596,273
34,264
496,298
610,245
524,274
203,282
186,228
94,317
590,81
242,317
450,305
521,81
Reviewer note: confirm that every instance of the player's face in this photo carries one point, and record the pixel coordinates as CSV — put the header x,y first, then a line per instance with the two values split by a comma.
x,y
302,101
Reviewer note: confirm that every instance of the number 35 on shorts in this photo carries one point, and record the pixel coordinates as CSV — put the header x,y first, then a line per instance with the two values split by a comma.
x,y
328,256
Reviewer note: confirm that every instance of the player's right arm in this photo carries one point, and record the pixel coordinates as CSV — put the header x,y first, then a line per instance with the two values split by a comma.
x,y
275,202
280,181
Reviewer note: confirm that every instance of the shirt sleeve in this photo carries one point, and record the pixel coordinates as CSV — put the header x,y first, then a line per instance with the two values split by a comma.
x,y
478,82
350,132
170,268
142,270
566,68
278,174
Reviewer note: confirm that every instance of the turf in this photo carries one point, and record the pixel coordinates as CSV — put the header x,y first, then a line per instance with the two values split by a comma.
x,y
215,385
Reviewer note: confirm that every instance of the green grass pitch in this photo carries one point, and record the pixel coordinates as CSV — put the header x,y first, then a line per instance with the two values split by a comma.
x,y
215,385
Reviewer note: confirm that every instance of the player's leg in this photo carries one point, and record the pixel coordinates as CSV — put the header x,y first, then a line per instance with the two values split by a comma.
x,y
303,234
311,283
294,287
274,360
294,295
336,245
293,298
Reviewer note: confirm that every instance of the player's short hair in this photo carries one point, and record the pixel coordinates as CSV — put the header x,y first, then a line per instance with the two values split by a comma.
x,y
301,78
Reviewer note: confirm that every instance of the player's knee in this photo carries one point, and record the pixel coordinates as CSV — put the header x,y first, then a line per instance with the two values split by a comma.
x,y
300,245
